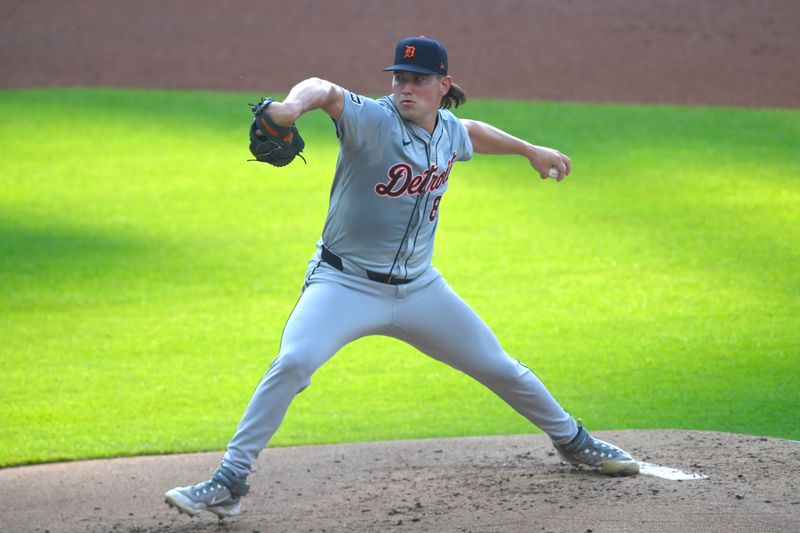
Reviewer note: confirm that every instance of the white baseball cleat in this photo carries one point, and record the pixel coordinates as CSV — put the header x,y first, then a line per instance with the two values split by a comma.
x,y
220,495
606,458
208,496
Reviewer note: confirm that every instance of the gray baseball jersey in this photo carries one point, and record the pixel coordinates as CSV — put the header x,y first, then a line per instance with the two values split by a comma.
x,y
384,207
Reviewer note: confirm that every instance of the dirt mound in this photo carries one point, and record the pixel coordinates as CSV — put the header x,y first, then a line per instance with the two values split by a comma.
x,y
508,484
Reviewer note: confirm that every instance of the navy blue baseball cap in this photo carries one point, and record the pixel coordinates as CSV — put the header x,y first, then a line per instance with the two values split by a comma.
x,y
420,54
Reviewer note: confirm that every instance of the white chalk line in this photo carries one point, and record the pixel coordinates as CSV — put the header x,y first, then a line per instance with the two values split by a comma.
x,y
667,472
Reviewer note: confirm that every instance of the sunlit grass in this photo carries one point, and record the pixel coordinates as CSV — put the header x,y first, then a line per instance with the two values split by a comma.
x,y
147,269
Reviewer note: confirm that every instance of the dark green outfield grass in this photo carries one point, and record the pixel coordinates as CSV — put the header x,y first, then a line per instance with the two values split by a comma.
x,y
147,269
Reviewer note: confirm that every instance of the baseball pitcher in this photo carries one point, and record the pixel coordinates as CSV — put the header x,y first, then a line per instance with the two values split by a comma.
x,y
371,272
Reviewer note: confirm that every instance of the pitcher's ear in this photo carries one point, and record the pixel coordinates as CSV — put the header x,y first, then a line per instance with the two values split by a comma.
x,y
447,82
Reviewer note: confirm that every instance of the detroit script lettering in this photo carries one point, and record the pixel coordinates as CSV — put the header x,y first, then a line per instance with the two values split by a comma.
x,y
402,180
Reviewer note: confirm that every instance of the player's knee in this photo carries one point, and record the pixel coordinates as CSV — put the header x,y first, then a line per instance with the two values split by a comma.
x,y
504,371
295,366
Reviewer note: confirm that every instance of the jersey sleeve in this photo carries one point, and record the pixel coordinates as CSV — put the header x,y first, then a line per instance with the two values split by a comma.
x,y
461,141
362,121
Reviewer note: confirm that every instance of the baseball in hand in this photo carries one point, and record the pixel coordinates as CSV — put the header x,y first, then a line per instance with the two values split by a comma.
x,y
553,173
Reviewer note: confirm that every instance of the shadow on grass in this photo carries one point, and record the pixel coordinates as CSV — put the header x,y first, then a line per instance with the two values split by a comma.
x,y
37,261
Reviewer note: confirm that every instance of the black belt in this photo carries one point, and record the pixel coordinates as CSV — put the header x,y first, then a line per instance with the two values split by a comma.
x,y
336,262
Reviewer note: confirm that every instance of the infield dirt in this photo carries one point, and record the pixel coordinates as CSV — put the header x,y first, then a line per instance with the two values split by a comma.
x,y
486,484
741,53
674,51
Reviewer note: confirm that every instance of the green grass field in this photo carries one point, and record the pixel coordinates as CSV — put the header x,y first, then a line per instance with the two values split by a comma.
x,y
147,269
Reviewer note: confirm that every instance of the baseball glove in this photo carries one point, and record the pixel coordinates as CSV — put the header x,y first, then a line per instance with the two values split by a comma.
x,y
270,143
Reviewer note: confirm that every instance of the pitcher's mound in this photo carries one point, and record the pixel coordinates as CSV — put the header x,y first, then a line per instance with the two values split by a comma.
x,y
509,484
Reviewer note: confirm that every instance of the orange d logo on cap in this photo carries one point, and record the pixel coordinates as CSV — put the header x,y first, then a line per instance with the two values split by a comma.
x,y
421,55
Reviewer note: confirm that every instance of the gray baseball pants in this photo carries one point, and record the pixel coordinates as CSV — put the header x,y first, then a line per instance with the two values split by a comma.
x,y
336,308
